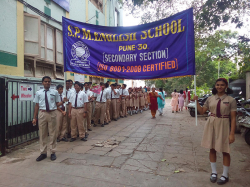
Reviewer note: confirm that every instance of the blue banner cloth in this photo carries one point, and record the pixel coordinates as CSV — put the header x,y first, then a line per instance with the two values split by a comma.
x,y
161,49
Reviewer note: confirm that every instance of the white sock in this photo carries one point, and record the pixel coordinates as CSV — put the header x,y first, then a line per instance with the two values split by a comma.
x,y
225,172
213,166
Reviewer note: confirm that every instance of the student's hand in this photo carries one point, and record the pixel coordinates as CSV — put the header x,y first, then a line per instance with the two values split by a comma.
x,y
64,113
34,122
65,99
69,115
195,97
231,138
84,115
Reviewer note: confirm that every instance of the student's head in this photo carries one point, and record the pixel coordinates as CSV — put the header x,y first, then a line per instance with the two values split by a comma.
x,y
124,86
86,86
108,82
221,86
153,89
81,85
118,86
161,90
181,91
106,85
59,88
77,86
186,89
102,85
68,84
174,90
148,89
113,86
46,81
71,83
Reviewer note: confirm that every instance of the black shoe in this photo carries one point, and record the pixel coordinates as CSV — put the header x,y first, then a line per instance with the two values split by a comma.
x,y
68,136
94,125
64,139
86,136
53,157
41,157
221,182
126,116
72,139
115,119
84,139
122,117
89,129
102,125
106,123
58,140
92,122
213,179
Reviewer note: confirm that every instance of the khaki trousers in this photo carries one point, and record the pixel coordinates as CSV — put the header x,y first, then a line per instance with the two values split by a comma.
x,y
87,120
100,112
61,124
77,121
68,120
93,110
47,124
123,107
108,103
118,108
112,111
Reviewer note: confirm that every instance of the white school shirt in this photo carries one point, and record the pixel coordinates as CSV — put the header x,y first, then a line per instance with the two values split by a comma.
x,y
102,94
124,92
108,93
53,98
117,96
62,99
113,94
81,99
88,93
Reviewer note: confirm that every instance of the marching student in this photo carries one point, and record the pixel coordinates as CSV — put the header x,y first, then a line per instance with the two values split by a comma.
x,y
77,112
130,102
67,93
87,121
100,108
142,100
112,110
220,127
123,95
61,117
118,102
146,100
47,100
136,100
108,102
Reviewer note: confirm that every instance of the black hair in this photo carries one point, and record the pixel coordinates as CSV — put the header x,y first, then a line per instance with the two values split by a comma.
x,y
90,82
174,90
186,89
161,90
81,85
101,83
108,82
68,80
59,86
229,90
181,91
78,83
46,77
86,83
106,85
125,85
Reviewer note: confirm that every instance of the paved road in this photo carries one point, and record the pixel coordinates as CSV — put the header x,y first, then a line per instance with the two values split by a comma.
x,y
149,152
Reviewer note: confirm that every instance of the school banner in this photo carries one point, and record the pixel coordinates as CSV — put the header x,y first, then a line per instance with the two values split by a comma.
x,y
161,49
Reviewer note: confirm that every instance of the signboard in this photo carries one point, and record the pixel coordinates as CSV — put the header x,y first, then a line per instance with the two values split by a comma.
x,y
40,86
26,92
96,89
79,77
156,50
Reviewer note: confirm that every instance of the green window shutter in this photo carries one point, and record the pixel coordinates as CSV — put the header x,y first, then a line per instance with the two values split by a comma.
x,y
97,22
47,11
48,1
86,76
72,74
121,81
8,59
96,14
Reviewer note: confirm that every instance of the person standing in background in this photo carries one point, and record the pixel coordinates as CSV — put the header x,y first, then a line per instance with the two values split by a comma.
x,y
61,117
108,103
181,100
153,102
161,101
174,101
118,101
186,97
77,112
123,94
112,111
68,92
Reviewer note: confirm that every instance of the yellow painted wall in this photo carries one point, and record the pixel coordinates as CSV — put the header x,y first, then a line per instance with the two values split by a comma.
x,y
19,70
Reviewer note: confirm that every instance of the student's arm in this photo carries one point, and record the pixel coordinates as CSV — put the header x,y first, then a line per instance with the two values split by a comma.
x,y
233,126
201,110
85,110
60,110
70,107
35,113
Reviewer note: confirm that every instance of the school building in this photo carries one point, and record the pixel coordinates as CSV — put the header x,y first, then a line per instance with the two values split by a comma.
x,y
31,46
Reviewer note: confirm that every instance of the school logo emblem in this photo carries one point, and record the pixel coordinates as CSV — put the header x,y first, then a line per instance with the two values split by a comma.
x,y
80,54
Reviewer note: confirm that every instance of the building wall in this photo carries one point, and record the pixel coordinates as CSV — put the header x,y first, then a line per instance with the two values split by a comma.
x,y
12,27
248,85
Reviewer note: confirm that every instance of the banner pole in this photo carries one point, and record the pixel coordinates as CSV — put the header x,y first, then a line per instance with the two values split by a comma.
x,y
196,118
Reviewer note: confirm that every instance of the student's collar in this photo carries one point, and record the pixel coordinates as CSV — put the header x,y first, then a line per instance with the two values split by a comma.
x,y
221,97
46,90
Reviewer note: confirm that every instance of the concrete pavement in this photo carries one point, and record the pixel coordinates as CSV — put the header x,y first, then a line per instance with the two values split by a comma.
x,y
148,154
